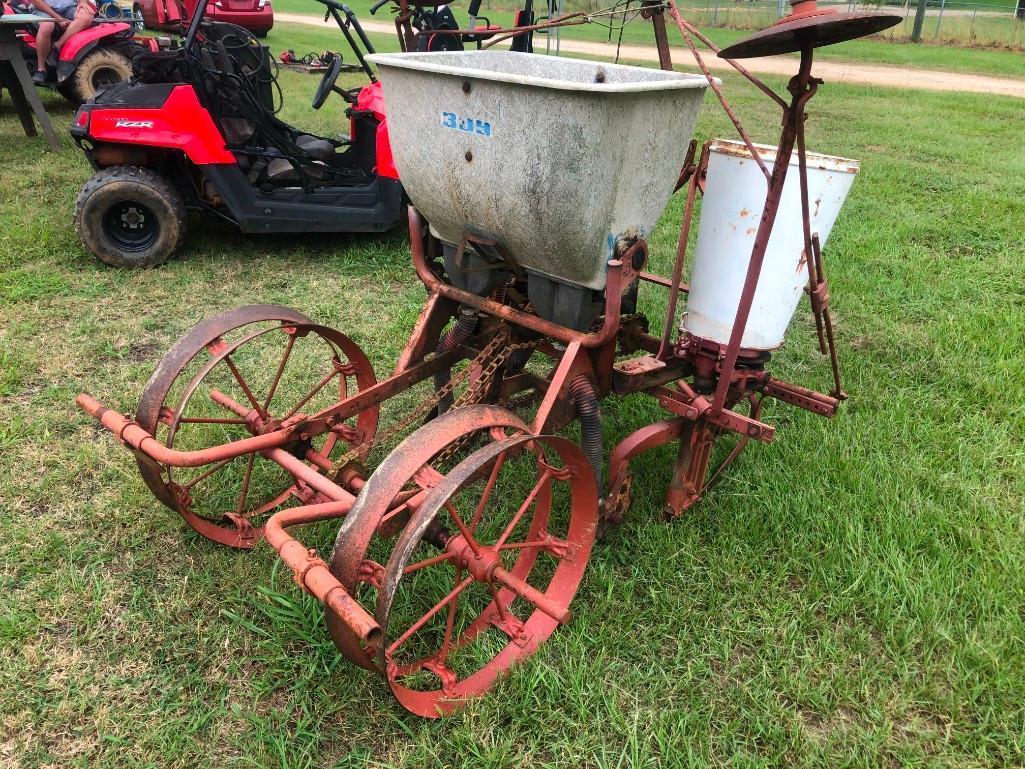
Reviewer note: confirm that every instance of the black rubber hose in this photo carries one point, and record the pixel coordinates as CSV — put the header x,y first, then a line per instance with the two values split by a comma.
x,y
465,325
517,361
585,398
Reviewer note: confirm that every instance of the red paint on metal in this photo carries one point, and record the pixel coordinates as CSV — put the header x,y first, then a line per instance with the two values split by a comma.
x,y
88,38
181,124
312,573
409,499
132,435
371,99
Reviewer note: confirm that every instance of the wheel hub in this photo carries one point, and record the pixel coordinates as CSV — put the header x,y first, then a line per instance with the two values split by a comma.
x,y
131,225
480,564
104,78
133,219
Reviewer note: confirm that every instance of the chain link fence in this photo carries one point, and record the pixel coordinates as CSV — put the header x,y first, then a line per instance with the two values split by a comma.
x,y
994,24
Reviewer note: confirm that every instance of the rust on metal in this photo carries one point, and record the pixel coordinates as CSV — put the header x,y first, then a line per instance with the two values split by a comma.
x,y
415,497
808,25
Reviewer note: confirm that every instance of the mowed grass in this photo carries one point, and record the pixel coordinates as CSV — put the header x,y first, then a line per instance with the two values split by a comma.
x,y
850,595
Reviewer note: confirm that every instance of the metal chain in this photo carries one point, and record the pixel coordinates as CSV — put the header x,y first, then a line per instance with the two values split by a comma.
x,y
473,394
489,362
477,390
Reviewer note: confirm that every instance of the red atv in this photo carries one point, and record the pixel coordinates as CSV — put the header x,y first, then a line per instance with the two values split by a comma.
x,y
92,60
196,129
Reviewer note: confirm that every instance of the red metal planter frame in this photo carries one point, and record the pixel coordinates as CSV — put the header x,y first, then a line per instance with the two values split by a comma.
x,y
705,387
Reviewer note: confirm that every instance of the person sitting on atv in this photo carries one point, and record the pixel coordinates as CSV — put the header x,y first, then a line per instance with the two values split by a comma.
x,y
72,15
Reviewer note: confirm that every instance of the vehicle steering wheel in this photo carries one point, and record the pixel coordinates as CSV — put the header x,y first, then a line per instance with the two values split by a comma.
x,y
327,85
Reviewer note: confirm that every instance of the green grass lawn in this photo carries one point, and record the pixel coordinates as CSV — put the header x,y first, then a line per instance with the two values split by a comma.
x,y
875,50
850,595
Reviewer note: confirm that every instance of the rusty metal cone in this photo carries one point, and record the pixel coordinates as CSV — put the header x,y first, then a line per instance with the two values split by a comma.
x,y
806,24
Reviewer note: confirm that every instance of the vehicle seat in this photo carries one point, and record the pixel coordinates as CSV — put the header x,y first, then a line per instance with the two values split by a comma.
x,y
319,148
281,170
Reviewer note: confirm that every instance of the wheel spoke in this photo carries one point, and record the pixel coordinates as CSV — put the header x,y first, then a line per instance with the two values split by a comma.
x,y
507,618
317,388
462,527
207,473
264,358
559,548
546,476
452,595
277,374
426,562
450,621
242,383
486,495
245,484
502,614
211,421
545,543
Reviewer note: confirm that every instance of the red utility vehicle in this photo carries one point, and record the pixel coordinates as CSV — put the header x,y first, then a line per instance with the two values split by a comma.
x,y
94,59
197,130
255,15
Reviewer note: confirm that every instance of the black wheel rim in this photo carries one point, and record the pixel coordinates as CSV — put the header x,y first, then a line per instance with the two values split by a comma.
x,y
131,225
105,77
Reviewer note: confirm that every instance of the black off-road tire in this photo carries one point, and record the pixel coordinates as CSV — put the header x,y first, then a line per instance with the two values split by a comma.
x,y
99,69
128,216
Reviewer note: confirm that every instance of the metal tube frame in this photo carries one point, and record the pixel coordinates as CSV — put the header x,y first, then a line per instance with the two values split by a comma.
x,y
701,419
701,414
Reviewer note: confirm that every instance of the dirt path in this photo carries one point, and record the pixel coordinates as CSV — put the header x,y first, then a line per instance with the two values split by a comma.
x,y
831,71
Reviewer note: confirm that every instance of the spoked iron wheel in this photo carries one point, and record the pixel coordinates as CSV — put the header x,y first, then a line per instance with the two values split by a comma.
x,y
385,504
485,570
234,375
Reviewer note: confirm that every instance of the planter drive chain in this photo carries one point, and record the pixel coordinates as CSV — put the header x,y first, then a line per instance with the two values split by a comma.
x,y
490,358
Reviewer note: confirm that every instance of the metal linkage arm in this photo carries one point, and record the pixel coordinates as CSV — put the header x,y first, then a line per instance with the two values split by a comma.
x,y
693,406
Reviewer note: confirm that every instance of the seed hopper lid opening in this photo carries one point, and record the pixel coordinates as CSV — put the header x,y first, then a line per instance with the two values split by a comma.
x,y
806,24
814,160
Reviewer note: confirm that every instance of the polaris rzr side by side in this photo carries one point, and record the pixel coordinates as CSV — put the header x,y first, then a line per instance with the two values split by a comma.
x,y
197,130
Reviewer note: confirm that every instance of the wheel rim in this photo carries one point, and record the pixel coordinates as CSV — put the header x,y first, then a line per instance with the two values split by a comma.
x,y
366,535
277,368
131,225
104,77
452,607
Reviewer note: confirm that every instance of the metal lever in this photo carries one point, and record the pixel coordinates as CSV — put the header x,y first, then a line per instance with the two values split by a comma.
x,y
818,293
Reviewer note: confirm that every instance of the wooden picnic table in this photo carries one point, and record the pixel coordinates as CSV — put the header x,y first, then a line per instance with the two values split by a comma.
x,y
14,76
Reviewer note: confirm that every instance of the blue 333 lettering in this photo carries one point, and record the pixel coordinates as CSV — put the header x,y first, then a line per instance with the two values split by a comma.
x,y
467,124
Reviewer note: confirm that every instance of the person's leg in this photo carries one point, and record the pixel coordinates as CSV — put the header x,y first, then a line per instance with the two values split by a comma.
x,y
44,39
85,13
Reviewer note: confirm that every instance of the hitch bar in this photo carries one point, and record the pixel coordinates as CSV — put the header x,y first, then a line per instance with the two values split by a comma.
x,y
310,571
131,433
